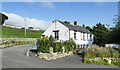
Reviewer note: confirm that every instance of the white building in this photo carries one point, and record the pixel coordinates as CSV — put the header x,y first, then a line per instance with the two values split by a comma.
x,y
112,45
64,31
13,26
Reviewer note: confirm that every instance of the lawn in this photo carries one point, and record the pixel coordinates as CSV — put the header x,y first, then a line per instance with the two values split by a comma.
x,y
8,32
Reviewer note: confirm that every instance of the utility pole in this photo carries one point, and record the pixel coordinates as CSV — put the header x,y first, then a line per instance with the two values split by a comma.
x,y
25,27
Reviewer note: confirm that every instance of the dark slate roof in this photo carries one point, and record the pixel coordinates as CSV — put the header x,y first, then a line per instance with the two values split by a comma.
x,y
75,27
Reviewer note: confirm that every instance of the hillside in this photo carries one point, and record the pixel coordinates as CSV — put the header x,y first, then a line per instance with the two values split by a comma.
x,y
8,32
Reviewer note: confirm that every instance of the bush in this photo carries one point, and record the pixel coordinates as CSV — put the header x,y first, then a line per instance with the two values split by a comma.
x,y
94,52
44,44
116,63
85,59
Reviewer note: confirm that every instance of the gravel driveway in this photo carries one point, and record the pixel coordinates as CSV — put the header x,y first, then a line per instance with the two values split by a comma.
x,y
14,57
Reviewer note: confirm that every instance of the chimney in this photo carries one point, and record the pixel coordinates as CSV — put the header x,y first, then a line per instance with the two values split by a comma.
x,y
83,26
68,22
65,22
53,21
75,22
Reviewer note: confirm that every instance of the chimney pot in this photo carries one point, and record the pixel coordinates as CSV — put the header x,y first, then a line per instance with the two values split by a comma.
x,y
65,21
75,22
84,26
68,22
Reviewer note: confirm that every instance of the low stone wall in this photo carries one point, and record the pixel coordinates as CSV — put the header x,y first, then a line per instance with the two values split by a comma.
x,y
98,58
53,56
16,39
3,40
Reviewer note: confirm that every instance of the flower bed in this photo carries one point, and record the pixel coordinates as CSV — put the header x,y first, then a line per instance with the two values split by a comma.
x,y
62,48
48,56
97,55
44,44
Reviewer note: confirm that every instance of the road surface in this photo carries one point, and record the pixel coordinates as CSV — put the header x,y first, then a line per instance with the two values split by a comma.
x,y
14,57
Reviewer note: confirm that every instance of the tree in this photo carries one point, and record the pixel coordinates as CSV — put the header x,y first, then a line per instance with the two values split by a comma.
x,y
90,29
115,32
100,34
3,17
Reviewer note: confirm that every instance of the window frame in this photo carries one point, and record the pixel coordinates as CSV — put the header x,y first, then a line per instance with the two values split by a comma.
x,y
75,35
56,34
83,36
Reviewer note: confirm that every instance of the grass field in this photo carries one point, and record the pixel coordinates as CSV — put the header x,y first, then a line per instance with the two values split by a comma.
x,y
20,33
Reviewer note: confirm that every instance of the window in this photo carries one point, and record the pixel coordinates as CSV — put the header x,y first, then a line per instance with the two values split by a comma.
x,y
75,34
83,36
87,37
56,34
90,37
43,36
81,46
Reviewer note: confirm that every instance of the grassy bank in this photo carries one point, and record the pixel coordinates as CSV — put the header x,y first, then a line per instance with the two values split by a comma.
x,y
20,33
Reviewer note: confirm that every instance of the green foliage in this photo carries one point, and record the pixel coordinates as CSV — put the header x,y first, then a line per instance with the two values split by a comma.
x,y
86,59
45,44
104,62
3,17
116,63
20,33
90,29
100,34
69,45
100,62
94,52
114,34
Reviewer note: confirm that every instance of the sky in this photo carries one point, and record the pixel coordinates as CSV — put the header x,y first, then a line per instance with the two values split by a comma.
x,y
41,14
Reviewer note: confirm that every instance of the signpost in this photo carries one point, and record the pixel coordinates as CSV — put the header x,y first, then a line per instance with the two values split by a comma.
x,y
25,28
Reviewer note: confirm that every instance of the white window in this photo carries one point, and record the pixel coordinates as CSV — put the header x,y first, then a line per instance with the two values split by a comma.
x,y
83,36
90,37
87,37
56,34
75,34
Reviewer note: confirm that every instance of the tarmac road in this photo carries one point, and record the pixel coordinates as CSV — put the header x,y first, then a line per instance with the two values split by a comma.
x,y
14,57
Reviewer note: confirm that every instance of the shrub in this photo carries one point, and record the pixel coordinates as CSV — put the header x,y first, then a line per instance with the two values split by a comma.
x,y
94,52
44,44
116,63
85,59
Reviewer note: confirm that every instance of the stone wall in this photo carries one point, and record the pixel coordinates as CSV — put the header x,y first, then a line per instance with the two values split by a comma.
x,y
52,56
16,39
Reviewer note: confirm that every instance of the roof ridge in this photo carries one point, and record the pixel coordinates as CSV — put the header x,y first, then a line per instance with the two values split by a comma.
x,y
75,27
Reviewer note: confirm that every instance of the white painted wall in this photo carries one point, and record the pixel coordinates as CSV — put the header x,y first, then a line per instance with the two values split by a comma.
x,y
63,31
64,34
79,36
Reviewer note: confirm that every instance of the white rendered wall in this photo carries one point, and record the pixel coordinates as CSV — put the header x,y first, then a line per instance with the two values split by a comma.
x,y
63,31
64,34
79,36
